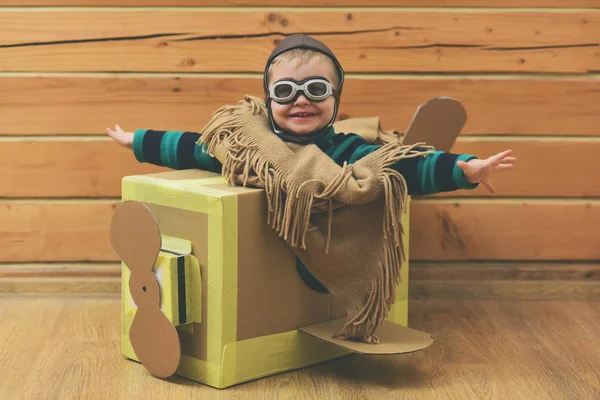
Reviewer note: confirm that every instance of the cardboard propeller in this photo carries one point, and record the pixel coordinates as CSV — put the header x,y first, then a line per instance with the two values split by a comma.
x,y
135,236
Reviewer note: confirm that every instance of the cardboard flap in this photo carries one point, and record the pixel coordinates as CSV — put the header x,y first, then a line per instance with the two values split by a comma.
x,y
394,339
437,122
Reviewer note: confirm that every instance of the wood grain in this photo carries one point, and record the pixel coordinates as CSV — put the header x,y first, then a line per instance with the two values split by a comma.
x,y
308,3
64,231
67,168
58,231
72,104
95,168
504,230
58,347
364,41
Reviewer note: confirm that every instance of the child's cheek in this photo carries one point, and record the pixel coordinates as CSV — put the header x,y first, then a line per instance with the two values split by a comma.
x,y
278,112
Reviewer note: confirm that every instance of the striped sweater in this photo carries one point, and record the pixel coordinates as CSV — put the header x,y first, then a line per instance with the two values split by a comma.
x,y
434,173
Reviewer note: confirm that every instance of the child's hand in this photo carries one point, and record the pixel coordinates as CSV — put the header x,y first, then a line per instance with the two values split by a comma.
x,y
125,139
478,171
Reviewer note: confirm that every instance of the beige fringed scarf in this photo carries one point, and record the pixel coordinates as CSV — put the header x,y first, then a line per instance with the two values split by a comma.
x,y
355,251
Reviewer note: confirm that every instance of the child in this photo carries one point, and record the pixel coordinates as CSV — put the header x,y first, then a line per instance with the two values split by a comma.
x,y
303,82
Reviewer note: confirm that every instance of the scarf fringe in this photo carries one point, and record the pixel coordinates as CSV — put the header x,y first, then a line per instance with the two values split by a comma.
x,y
363,323
290,206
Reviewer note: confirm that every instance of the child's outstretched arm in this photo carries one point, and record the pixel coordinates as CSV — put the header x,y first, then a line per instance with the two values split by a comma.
x,y
445,172
437,172
172,149
479,171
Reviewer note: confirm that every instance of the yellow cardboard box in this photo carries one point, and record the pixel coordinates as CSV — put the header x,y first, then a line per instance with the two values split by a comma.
x,y
229,283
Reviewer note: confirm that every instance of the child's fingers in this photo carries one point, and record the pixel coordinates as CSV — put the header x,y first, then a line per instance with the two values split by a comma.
x,y
500,156
504,167
489,186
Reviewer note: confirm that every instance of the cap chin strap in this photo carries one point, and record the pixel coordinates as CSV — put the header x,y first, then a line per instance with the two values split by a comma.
x,y
295,138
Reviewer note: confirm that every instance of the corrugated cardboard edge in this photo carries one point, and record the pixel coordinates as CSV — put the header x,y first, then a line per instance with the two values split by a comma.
x,y
394,339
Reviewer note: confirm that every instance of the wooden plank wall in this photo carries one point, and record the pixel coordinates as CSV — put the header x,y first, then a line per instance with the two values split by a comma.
x,y
527,72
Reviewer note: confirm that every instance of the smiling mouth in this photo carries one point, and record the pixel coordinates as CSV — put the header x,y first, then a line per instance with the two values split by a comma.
x,y
302,115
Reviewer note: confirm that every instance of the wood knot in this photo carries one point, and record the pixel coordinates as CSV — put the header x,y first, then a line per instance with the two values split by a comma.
x,y
349,16
283,22
189,62
271,17
521,61
176,90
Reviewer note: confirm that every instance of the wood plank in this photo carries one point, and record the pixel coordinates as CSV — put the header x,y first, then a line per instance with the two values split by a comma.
x,y
94,168
308,3
63,104
60,231
504,230
63,231
67,168
503,271
365,41
59,348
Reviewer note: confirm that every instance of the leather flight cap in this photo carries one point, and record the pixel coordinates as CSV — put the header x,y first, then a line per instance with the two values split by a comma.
x,y
301,41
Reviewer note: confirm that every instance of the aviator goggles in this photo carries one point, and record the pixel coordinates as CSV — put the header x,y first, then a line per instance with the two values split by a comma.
x,y
314,89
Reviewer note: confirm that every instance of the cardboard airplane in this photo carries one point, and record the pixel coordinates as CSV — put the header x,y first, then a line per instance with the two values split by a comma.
x,y
137,239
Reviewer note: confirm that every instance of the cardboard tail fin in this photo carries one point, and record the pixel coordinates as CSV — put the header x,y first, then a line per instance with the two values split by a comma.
x,y
393,338
437,122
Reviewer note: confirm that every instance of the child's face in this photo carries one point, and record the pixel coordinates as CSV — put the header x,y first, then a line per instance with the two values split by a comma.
x,y
286,115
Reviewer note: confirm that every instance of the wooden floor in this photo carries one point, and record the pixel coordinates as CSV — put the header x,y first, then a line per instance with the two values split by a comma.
x,y
68,347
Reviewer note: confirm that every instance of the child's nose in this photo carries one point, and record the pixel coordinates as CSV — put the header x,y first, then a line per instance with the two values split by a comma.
x,y
301,99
